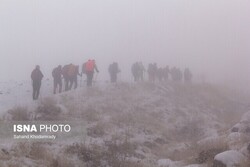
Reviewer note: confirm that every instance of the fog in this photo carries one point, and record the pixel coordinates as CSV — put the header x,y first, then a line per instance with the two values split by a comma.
x,y
210,37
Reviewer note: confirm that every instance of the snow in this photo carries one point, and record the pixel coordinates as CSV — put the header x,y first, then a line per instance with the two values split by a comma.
x,y
197,165
19,93
168,163
245,118
230,158
144,113
236,140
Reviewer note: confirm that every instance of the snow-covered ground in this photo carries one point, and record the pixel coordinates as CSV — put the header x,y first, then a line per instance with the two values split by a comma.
x,y
19,93
129,124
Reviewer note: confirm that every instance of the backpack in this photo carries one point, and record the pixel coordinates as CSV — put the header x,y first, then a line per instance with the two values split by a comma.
x,y
90,65
71,70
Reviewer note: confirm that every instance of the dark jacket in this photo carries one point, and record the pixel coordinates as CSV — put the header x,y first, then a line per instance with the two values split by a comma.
x,y
36,75
57,73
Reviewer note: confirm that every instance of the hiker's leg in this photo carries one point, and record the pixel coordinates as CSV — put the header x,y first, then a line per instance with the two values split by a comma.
x,y
75,80
60,85
88,79
38,89
34,91
55,86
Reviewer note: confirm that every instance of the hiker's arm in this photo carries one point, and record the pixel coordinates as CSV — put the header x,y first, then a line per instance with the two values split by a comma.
x,y
78,73
96,69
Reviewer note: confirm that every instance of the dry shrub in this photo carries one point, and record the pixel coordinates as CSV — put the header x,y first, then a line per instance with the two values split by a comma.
x,y
90,114
120,148
14,164
189,130
2,163
139,119
62,161
229,118
21,149
48,110
207,149
4,155
19,114
173,151
24,162
65,98
97,130
114,153
123,119
216,142
246,163
38,151
92,155
32,150
118,152
207,156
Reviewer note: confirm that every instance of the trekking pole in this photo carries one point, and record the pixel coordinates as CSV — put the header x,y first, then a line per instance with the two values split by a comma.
x,y
81,81
95,78
40,92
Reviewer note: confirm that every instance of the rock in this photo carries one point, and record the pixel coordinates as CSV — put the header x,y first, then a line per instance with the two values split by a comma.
x,y
149,144
235,129
5,151
236,140
229,158
243,126
239,127
160,141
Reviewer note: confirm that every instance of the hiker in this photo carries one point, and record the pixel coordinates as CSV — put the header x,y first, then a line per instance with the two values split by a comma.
x,y
187,75
36,77
57,75
176,74
141,71
70,73
138,70
134,70
160,74
113,71
89,68
166,72
152,71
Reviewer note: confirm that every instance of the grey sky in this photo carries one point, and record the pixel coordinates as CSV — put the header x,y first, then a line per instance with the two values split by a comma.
x,y
205,35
